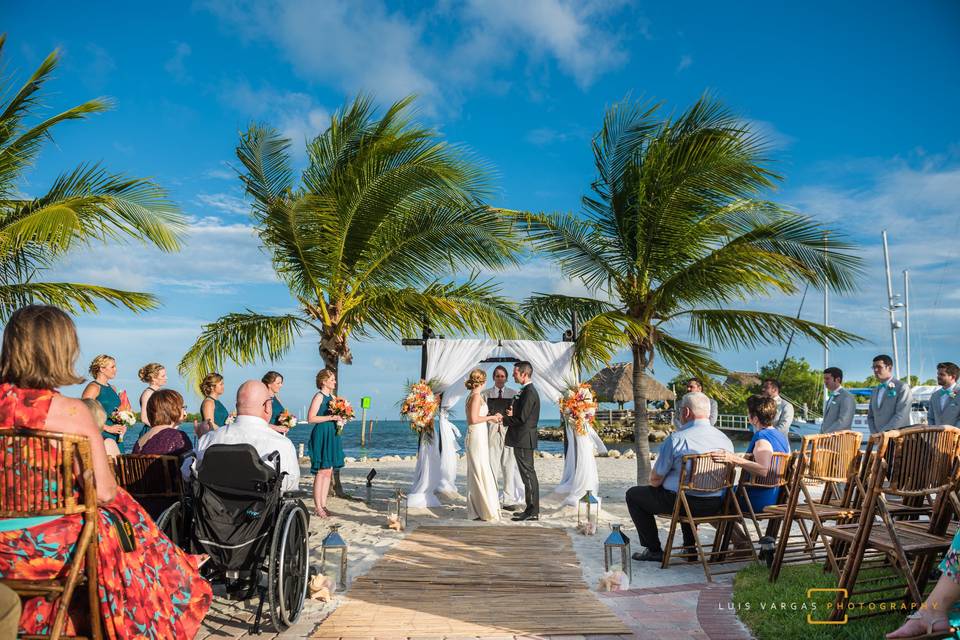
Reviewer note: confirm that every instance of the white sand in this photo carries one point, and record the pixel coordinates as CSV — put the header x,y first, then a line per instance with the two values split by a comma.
x,y
363,525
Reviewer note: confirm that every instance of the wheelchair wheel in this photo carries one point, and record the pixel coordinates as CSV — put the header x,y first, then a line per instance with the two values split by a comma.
x,y
289,564
171,523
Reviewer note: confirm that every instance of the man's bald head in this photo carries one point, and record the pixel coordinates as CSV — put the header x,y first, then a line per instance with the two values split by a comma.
x,y
252,399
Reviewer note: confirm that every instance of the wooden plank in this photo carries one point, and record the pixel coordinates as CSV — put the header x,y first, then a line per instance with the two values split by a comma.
x,y
473,581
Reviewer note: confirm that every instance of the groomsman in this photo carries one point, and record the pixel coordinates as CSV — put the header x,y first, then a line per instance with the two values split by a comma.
x,y
890,400
502,459
945,404
841,405
695,386
784,417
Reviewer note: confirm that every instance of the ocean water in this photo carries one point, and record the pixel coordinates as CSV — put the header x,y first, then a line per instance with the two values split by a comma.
x,y
390,437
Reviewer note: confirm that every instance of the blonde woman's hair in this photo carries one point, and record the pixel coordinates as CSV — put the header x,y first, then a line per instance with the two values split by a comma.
x,y
99,363
149,371
209,383
322,376
477,378
96,410
40,349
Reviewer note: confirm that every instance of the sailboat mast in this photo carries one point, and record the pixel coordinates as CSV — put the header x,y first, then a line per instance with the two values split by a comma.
x,y
890,306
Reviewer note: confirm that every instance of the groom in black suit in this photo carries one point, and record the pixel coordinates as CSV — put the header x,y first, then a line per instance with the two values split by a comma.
x,y
521,422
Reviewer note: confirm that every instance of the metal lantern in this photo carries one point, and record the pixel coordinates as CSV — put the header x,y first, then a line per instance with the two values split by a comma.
x,y
588,510
335,543
401,508
616,552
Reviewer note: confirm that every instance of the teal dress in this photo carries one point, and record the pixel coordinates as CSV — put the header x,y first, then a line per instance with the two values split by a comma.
x,y
277,410
326,448
220,413
110,401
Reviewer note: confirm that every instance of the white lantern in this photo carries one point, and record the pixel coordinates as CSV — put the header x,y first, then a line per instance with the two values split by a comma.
x,y
588,512
332,544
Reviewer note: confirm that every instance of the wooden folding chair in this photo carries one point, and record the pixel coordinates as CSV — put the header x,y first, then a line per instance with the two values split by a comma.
x,y
153,480
700,474
827,459
911,464
779,475
51,474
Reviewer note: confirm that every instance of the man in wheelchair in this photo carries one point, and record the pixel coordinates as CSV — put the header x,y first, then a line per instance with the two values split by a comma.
x,y
244,512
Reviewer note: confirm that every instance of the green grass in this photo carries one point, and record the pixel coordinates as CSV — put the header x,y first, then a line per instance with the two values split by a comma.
x,y
753,594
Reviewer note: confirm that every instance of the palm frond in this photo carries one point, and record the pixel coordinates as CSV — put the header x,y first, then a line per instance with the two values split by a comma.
x,y
241,338
70,296
734,328
576,246
556,310
687,356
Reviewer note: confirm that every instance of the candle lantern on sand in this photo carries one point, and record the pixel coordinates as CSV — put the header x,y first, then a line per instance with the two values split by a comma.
x,y
588,513
401,509
616,552
333,544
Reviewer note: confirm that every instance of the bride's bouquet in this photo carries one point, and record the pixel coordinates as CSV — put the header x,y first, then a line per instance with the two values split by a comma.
x,y
579,406
341,408
419,408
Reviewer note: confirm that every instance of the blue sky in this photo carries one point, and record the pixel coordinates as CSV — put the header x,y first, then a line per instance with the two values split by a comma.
x,y
858,98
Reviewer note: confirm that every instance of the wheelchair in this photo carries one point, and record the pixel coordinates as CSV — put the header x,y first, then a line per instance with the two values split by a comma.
x,y
255,535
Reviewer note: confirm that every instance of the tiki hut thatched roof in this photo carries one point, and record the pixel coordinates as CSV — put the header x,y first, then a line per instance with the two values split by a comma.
x,y
615,384
743,378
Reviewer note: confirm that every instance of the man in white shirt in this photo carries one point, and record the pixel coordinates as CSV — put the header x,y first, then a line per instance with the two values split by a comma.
x,y
502,459
784,418
254,407
945,403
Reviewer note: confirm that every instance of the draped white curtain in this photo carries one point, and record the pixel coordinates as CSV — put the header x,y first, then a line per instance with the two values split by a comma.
x,y
552,365
448,363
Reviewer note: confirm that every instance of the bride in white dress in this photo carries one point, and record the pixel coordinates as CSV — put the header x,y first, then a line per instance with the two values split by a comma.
x,y
483,502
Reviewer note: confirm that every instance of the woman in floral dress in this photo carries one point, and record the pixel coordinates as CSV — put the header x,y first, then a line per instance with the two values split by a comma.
x,y
152,591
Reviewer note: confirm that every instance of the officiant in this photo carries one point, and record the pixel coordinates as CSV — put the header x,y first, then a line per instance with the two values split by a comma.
x,y
499,398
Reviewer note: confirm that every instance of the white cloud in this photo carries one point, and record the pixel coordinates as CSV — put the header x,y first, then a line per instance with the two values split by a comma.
x,y
544,136
296,115
224,202
774,138
365,46
175,65
685,62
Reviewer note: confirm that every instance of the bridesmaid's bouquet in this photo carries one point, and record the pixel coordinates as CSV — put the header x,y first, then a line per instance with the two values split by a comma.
x,y
124,414
341,408
419,408
578,405
287,420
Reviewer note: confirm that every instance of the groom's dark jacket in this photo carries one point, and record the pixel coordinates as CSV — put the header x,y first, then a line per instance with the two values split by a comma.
x,y
522,425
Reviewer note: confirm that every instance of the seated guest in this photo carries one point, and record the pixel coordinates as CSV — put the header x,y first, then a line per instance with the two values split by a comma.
x,y
250,427
644,502
165,411
766,441
153,590
100,419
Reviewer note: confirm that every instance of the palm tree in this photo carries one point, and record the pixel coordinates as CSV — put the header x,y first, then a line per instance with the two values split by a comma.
x,y
382,211
83,205
673,236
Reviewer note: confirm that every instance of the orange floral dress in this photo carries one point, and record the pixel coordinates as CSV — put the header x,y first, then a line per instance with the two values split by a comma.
x,y
154,591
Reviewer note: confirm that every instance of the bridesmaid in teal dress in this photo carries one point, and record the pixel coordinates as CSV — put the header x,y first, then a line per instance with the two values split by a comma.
x,y
104,369
326,449
274,382
213,414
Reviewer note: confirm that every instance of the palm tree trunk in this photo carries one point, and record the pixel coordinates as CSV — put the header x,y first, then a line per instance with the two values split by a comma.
x,y
641,427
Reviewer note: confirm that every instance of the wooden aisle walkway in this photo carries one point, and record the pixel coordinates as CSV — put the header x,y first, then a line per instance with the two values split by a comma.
x,y
473,581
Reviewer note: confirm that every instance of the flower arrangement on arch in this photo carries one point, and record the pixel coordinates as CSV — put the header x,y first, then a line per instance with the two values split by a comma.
x,y
579,406
341,407
420,407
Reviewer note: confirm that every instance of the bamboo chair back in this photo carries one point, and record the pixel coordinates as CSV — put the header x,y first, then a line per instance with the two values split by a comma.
x,y
149,475
830,457
777,475
43,474
700,474
923,460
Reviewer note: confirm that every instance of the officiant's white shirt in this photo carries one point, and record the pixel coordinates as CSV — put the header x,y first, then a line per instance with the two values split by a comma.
x,y
253,431
508,393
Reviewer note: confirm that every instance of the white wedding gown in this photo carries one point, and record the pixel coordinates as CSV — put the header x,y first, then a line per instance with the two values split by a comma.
x,y
579,466
482,499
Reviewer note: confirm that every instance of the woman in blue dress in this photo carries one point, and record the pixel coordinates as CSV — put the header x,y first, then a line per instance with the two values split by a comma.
x,y
213,414
766,441
104,369
326,449
274,382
